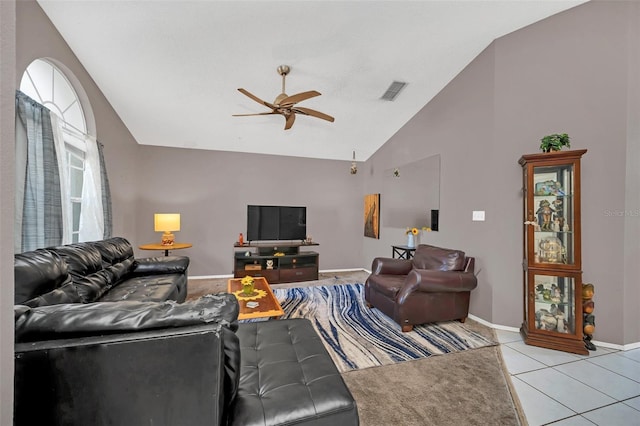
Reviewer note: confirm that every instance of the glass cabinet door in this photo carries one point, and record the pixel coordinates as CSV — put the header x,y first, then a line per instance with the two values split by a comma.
x,y
552,302
551,215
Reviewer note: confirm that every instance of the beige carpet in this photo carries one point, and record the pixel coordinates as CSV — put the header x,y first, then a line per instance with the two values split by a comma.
x,y
464,388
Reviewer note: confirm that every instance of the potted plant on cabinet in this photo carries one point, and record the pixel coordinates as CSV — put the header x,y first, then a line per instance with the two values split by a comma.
x,y
554,142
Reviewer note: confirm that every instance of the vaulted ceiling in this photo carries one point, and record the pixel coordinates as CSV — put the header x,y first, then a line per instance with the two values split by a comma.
x,y
171,68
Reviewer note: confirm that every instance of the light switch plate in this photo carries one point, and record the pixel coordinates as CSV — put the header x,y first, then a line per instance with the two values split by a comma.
x,y
478,215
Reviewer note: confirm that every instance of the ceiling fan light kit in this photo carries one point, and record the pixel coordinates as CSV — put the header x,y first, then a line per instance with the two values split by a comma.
x,y
285,105
354,167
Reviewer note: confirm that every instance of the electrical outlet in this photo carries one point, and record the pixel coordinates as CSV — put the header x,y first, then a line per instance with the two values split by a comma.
x,y
478,216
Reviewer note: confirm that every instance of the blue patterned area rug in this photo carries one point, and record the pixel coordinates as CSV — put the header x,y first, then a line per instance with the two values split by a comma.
x,y
358,337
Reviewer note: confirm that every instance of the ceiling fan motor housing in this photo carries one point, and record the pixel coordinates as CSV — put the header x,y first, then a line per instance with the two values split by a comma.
x,y
284,70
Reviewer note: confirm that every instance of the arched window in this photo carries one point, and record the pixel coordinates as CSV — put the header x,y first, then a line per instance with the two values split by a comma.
x,y
77,152
45,83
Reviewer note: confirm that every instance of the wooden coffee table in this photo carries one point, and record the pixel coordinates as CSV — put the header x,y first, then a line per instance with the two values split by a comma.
x,y
268,304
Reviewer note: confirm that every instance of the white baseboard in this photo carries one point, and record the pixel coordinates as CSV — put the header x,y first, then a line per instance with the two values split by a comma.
x,y
494,326
326,271
208,277
626,347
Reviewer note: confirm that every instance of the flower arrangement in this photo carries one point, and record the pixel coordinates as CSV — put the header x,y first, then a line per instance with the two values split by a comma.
x,y
247,284
416,231
413,231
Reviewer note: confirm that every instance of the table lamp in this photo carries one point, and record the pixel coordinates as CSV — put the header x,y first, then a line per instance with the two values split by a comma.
x,y
166,223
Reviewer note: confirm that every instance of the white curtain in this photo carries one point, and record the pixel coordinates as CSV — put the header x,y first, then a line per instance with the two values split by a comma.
x,y
92,214
63,168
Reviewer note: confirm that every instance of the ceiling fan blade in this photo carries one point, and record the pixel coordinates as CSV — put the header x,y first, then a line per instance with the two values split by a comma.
x,y
294,99
257,113
314,113
290,119
255,98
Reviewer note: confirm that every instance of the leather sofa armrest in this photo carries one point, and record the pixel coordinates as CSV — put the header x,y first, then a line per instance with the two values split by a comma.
x,y
390,266
160,265
432,281
101,318
169,376
19,310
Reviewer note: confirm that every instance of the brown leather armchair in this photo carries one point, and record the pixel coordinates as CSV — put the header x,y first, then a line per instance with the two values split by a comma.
x,y
433,286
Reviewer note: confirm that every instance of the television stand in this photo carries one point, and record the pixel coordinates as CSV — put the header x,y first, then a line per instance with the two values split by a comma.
x,y
276,261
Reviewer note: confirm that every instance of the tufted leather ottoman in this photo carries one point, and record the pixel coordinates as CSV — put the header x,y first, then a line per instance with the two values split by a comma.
x,y
287,377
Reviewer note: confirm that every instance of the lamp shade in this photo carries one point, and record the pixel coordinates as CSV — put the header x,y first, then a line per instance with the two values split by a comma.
x,y
166,222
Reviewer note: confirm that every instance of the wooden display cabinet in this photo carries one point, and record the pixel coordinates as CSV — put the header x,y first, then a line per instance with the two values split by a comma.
x,y
552,251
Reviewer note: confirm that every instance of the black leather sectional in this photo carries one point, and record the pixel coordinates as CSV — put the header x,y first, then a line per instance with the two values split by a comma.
x,y
90,352
97,271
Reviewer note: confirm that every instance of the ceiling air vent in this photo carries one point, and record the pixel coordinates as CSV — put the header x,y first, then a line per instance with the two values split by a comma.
x,y
393,90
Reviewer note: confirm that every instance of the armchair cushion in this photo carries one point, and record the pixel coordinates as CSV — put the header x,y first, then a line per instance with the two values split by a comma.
x,y
389,285
441,281
390,266
438,258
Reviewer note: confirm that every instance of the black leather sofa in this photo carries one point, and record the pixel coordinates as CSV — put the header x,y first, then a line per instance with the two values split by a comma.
x,y
134,362
97,271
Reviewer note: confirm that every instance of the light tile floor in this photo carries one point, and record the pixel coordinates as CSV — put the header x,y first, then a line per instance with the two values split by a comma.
x,y
563,389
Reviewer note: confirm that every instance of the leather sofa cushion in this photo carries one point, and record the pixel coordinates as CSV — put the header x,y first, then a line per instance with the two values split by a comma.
x,y
288,378
113,250
82,259
441,259
231,361
76,320
160,265
92,287
153,288
119,271
117,257
42,278
65,294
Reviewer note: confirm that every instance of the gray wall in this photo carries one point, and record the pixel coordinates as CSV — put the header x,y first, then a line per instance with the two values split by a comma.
x,y
7,184
211,190
558,75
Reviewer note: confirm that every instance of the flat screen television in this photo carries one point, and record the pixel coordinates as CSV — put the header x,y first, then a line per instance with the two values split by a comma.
x,y
268,223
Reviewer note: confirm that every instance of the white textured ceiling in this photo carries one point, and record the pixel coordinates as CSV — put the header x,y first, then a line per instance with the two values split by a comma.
x,y
171,68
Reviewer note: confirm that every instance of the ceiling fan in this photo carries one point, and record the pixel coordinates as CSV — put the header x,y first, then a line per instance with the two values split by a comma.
x,y
285,105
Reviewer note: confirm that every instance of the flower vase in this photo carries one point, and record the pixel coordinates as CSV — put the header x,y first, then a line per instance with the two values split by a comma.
x,y
411,240
247,289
